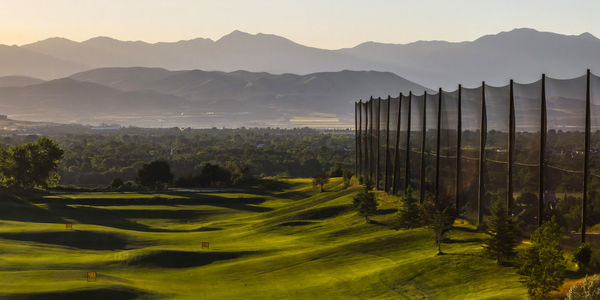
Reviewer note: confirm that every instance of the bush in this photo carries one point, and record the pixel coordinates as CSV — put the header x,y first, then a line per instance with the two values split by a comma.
x,y
588,289
583,256
543,262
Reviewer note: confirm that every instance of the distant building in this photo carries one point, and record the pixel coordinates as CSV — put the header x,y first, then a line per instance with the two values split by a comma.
x,y
3,117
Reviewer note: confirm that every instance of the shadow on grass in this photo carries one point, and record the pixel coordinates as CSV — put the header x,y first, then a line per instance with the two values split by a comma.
x,y
103,293
119,218
463,241
183,259
90,240
323,212
386,211
244,204
295,223
13,208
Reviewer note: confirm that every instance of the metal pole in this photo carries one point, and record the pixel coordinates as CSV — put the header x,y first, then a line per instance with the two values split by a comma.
x,y
482,140
396,150
511,149
423,136
437,147
458,152
368,140
407,173
542,151
586,156
378,145
372,144
356,137
387,145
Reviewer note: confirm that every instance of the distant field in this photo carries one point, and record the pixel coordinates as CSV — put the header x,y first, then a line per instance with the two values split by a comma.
x,y
282,240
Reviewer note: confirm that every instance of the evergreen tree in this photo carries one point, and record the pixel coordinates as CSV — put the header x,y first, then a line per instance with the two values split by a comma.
x,y
583,256
544,264
365,203
409,211
503,234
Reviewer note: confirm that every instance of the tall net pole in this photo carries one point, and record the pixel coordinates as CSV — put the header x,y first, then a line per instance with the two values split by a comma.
x,y
387,145
407,166
482,140
458,144
511,149
542,151
396,150
356,137
437,147
586,156
423,137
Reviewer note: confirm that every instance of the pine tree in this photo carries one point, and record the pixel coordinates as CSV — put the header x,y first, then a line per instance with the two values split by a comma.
x,y
504,234
409,211
544,264
365,203
442,220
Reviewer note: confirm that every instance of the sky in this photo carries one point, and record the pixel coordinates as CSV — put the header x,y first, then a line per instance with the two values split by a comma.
x,y
330,24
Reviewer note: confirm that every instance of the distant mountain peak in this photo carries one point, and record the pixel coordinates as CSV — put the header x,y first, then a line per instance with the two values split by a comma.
x,y
587,35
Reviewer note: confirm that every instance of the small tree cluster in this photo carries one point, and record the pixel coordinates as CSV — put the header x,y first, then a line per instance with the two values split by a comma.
x,y
155,175
320,180
30,165
503,234
543,262
365,203
216,176
410,211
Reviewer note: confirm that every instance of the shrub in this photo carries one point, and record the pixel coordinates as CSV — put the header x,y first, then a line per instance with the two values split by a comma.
x,y
588,289
543,262
583,256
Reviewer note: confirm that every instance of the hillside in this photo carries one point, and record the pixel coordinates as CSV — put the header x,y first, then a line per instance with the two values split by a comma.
x,y
153,97
279,239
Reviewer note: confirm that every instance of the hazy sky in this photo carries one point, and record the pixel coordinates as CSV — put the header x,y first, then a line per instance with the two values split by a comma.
x,y
320,23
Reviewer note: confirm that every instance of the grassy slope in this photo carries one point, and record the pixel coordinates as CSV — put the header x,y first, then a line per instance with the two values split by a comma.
x,y
281,241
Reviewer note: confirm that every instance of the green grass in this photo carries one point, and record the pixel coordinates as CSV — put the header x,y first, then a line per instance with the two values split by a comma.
x,y
279,240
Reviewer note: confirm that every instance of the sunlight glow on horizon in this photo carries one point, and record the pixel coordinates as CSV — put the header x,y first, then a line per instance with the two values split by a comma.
x,y
331,24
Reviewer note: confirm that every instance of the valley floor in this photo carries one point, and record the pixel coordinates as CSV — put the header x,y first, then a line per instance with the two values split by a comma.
x,y
279,240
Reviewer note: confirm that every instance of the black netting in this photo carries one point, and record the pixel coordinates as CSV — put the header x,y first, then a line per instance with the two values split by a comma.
x,y
470,148
373,120
563,181
527,98
495,168
448,146
394,103
364,139
402,153
431,129
593,207
383,141
416,138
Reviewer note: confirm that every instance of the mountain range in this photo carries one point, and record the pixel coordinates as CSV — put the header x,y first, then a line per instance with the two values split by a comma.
x,y
154,97
520,54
